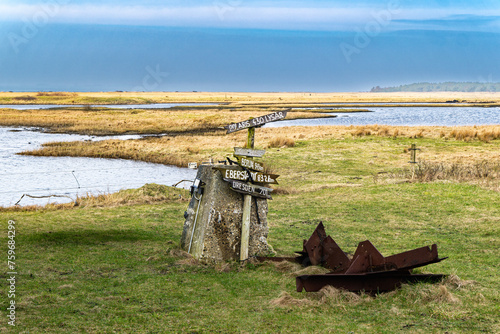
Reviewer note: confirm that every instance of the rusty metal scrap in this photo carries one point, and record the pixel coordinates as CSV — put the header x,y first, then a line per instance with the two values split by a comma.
x,y
368,270
322,250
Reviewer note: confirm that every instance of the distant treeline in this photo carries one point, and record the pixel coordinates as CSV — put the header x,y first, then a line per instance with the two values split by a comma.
x,y
442,87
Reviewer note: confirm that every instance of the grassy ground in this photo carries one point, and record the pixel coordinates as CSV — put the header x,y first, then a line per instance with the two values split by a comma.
x,y
113,264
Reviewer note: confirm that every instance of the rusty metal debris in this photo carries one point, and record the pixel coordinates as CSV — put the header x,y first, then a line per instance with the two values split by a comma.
x,y
368,270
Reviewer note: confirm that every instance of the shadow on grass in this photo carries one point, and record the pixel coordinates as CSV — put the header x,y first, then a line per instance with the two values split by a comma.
x,y
90,237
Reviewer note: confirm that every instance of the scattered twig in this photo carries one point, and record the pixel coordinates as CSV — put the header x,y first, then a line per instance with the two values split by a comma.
x,y
48,196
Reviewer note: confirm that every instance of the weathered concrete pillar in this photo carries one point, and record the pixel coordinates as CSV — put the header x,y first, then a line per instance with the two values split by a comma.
x,y
216,233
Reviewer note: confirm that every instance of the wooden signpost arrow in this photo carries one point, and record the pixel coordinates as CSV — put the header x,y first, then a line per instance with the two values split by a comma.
x,y
257,121
250,189
250,164
245,152
242,175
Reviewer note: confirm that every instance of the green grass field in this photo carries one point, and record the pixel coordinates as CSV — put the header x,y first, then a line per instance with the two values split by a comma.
x,y
113,267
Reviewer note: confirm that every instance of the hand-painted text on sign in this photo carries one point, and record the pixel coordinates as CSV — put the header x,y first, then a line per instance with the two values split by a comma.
x,y
257,121
250,189
242,175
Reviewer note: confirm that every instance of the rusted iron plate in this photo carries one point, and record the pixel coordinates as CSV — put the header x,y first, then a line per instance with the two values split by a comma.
x,y
314,247
250,189
334,258
365,259
321,249
250,164
248,152
369,282
257,121
414,258
243,175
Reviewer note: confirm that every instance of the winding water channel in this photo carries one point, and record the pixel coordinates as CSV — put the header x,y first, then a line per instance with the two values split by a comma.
x,y
69,176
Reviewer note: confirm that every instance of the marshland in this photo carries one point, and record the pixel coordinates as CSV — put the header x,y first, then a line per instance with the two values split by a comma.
x,y
112,262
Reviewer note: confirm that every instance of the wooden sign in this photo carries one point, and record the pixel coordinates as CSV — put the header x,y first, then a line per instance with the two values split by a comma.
x,y
248,152
242,175
250,164
250,189
257,121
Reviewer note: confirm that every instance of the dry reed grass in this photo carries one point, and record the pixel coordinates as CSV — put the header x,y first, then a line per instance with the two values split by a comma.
x,y
466,133
473,133
432,171
103,121
281,142
179,150
165,97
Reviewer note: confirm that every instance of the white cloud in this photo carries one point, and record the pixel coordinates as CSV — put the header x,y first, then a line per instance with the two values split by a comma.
x,y
233,14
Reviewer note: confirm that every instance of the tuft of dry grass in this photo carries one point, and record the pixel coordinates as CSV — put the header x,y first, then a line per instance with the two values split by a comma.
x,y
188,262
281,142
286,300
329,295
429,294
455,282
223,267
286,266
184,258
311,270
175,252
285,190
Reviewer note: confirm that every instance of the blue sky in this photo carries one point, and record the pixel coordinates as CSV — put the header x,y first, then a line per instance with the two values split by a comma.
x,y
245,45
